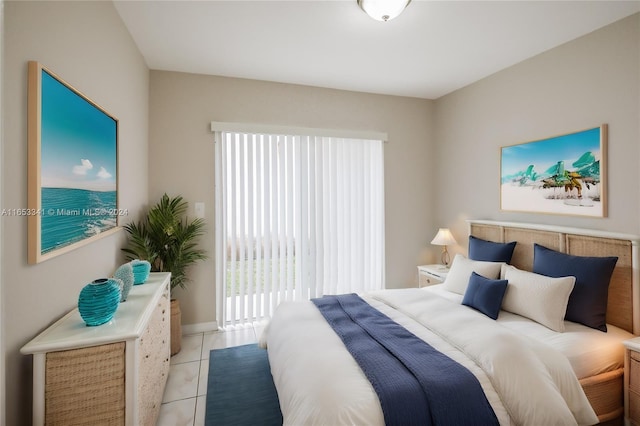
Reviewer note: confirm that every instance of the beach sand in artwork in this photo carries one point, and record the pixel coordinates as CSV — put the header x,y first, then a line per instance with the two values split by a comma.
x,y
536,199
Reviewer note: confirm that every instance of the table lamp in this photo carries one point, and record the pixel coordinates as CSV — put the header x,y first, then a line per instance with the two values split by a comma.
x,y
444,238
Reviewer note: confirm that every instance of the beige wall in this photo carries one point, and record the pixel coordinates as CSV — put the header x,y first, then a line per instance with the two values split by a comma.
x,y
589,81
87,45
181,159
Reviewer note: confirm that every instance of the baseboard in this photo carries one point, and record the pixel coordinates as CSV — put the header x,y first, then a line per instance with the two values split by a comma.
x,y
202,327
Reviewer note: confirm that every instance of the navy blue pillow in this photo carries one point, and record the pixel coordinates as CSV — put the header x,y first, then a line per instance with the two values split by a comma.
x,y
490,251
588,300
485,295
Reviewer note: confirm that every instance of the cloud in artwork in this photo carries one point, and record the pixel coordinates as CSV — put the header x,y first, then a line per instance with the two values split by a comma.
x,y
103,173
83,167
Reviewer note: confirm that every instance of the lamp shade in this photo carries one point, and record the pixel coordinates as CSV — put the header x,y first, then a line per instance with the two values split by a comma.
x,y
443,238
383,10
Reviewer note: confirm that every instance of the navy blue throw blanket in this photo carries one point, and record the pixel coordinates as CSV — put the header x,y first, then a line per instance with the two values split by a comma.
x,y
415,383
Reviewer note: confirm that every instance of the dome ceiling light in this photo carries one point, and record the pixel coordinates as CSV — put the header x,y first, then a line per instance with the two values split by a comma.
x,y
383,10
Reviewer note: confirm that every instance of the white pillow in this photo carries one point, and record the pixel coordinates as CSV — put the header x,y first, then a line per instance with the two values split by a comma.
x,y
537,297
461,268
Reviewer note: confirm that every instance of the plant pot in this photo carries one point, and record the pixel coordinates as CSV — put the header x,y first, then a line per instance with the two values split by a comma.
x,y
176,326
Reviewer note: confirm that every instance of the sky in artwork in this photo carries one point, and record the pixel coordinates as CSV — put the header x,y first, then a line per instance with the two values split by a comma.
x,y
545,153
78,141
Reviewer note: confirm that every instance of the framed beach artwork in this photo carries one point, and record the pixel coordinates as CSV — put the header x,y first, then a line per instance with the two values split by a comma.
x,y
559,175
72,167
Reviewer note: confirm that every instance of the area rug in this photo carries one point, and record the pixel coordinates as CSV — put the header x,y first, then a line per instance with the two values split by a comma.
x,y
240,389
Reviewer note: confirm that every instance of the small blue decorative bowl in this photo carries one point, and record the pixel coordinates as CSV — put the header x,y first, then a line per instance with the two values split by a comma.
x,y
141,270
99,300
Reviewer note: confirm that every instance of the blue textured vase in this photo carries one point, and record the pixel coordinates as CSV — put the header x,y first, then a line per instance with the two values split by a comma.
x,y
125,274
98,301
141,269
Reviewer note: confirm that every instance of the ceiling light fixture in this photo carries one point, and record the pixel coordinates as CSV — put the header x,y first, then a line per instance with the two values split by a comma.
x,y
383,10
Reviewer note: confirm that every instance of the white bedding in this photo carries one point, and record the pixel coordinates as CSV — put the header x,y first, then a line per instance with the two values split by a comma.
x,y
589,351
318,382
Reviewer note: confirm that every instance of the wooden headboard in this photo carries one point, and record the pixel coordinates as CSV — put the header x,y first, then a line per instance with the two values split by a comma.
x,y
623,309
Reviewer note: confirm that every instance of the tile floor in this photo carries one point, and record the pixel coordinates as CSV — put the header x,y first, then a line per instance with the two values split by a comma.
x,y
183,403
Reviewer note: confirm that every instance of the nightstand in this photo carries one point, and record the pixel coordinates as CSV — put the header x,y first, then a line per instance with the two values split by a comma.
x,y
632,381
431,274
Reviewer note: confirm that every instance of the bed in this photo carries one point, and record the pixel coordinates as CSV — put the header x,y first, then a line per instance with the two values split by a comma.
x,y
573,377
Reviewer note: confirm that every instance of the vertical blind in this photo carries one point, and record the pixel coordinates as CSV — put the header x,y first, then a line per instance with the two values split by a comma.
x,y
297,217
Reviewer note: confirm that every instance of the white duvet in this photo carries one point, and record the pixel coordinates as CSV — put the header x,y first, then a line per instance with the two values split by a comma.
x,y
318,382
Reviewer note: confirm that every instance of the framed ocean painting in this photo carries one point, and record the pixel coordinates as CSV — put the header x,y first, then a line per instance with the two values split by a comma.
x,y
559,175
72,167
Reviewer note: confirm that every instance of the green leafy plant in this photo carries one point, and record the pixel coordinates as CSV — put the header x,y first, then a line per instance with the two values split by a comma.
x,y
167,239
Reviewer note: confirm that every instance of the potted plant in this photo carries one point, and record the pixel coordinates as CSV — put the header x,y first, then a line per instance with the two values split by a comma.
x,y
168,241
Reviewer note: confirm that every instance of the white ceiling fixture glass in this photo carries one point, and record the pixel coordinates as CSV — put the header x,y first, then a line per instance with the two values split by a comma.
x,y
383,10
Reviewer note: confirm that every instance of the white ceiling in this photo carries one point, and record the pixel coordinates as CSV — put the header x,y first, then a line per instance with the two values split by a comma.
x,y
432,49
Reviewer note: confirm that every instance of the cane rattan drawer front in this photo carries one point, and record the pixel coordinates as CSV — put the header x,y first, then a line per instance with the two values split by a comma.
x,y
85,386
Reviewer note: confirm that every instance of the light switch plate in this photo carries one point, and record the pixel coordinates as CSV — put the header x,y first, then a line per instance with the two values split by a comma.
x,y
199,207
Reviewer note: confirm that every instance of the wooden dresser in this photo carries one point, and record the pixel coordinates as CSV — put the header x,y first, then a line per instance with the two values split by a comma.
x,y
113,373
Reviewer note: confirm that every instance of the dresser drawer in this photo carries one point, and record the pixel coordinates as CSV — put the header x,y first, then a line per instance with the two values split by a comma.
x,y
634,371
426,280
430,275
634,408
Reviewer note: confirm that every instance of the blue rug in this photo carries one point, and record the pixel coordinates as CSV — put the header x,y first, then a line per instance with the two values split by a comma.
x,y
240,389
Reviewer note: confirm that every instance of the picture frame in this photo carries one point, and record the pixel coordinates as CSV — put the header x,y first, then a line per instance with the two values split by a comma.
x,y
565,175
72,179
